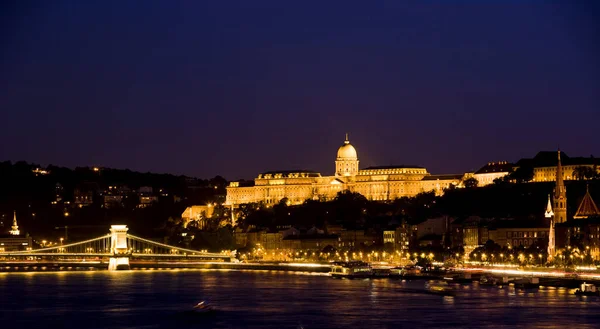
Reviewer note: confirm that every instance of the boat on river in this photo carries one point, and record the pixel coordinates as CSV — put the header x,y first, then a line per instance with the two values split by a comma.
x,y
440,288
203,307
351,270
587,289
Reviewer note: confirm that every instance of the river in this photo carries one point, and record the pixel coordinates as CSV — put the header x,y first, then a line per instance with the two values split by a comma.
x,y
272,299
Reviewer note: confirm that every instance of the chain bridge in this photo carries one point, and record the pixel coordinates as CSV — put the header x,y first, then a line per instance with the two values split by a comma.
x,y
116,249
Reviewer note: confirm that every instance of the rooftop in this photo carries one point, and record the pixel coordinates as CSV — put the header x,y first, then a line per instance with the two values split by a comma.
x,y
494,167
393,167
443,177
311,237
290,173
550,159
587,207
520,223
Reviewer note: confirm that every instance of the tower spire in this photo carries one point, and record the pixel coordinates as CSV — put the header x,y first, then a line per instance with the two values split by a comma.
x,y
560,194
346,141
551,238
549,213
14,228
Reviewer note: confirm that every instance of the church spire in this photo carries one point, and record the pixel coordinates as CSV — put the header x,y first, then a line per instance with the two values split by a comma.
x,y
15,228
560,194
549,213
551,234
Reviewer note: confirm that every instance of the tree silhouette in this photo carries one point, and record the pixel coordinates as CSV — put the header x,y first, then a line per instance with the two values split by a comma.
x,y
471,182
522,174
584,172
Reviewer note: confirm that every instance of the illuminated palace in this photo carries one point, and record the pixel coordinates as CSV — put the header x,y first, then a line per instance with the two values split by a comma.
x,y
375,183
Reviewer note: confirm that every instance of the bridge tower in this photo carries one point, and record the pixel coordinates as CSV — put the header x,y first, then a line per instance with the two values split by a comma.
x,y
118,248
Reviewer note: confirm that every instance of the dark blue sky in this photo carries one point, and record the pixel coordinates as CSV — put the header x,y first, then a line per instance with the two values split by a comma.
x,y
234,88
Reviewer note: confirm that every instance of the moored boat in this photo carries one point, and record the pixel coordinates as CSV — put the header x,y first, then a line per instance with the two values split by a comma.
x,y
381,272
439,288
587,289
203,307
351,270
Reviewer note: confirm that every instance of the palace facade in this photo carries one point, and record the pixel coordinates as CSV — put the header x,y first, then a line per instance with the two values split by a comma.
x,y
375,183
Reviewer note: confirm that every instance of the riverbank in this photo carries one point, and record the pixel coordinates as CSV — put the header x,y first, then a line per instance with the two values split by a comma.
x,y
20,267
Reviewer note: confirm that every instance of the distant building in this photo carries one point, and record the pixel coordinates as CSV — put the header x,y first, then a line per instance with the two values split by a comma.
x,y
492,171
389,236
83,198
517,233
545,164
146,196
403,237
147,201
587,232
437,226
14,240
58,192
114,196
431,240
312,242
353,239
375,183
113,201
40,171
200,214
474,233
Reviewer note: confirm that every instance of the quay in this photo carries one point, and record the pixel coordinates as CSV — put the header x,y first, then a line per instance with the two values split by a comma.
x,y
546,279
52,266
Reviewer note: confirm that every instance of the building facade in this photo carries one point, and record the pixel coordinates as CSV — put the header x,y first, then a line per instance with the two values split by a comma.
x,y
375,183
545,166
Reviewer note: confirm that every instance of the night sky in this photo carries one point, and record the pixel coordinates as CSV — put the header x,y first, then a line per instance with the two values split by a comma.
x,y
235,88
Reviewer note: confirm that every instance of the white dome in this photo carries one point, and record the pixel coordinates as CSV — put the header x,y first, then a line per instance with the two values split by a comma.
x,y
347,151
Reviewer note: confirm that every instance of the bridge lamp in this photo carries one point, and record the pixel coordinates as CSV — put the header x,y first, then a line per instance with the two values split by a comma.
x,y
61,240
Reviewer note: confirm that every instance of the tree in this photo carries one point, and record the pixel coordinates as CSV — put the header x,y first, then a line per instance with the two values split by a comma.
x,y
349,207
522,174
471,182
584,172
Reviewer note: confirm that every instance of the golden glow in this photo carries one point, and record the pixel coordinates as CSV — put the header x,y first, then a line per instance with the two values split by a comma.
x,y
378,184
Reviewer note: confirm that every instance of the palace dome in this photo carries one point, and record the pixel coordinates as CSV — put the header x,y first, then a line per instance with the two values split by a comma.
x,y
347,151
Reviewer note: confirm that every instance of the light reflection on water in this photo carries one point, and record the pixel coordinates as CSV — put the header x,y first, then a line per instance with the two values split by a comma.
x,y
273,299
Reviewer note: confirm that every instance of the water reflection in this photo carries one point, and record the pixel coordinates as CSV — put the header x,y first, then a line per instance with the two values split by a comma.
x,y
275,299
